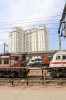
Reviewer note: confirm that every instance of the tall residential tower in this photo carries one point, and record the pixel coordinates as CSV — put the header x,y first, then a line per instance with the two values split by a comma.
x,y
34,39
16,40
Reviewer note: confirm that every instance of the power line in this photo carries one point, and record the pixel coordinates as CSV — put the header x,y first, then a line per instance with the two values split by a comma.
x,y
30,22
30,19
47,28
31,25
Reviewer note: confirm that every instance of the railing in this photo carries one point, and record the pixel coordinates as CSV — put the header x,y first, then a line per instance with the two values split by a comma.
x,y
37,76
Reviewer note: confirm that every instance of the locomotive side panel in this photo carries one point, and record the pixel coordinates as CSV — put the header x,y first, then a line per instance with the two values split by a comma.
x,y
12,61
45,60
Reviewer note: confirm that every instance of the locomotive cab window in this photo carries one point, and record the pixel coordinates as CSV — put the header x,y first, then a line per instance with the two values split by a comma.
x,y
32,60
58,58
6,60
16,58
64,57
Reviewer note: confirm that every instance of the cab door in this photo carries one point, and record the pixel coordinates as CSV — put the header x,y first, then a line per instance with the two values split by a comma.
x,y
58,61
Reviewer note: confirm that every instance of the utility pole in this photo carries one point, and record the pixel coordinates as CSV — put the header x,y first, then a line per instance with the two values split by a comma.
x,y
59,37
60,29
4,47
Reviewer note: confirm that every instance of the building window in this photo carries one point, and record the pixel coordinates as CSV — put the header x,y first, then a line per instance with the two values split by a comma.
x,y
6,60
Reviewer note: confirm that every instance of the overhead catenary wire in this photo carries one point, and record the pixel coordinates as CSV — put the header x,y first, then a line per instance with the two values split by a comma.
x,y
51,22
28,22
48,28
30,25
33,24
31,19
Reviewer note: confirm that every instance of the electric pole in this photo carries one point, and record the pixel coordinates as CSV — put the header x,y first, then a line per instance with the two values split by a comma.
x,y
4,47
62,27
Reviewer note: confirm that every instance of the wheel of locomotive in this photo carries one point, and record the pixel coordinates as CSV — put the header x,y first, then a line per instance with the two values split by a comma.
x,y
25,72
14,74
2,74
53,74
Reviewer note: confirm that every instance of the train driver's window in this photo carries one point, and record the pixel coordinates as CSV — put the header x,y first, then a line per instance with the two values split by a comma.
x,y
64,57
16,58
6,60
58,58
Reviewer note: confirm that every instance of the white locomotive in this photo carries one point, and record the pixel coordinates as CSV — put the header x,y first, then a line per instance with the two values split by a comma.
x,y
57,65
59,59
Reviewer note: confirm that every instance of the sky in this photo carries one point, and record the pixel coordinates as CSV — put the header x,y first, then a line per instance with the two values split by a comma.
x,y
28,14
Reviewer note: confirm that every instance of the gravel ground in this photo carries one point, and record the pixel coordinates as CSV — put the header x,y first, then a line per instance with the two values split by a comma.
x,y
32,93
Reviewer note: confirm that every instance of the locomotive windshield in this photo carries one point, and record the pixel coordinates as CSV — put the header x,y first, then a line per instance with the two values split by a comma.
x,y
37,59
16,58
32,60
64,57
6,60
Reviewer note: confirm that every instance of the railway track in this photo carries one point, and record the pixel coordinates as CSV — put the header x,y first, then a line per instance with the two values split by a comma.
x,y
32,81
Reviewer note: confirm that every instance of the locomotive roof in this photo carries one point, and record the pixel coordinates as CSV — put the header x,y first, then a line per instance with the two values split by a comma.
x,y
60,52
4,56
8,56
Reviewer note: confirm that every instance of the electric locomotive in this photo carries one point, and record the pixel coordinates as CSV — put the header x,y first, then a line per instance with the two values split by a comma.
x,y
13,65
57,65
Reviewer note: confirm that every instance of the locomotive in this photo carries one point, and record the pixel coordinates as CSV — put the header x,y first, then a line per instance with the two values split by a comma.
x,y
13,65
35,62
57,65
40,61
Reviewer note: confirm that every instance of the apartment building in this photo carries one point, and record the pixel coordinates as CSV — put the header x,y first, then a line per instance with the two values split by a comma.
x,y
34,39
16,40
